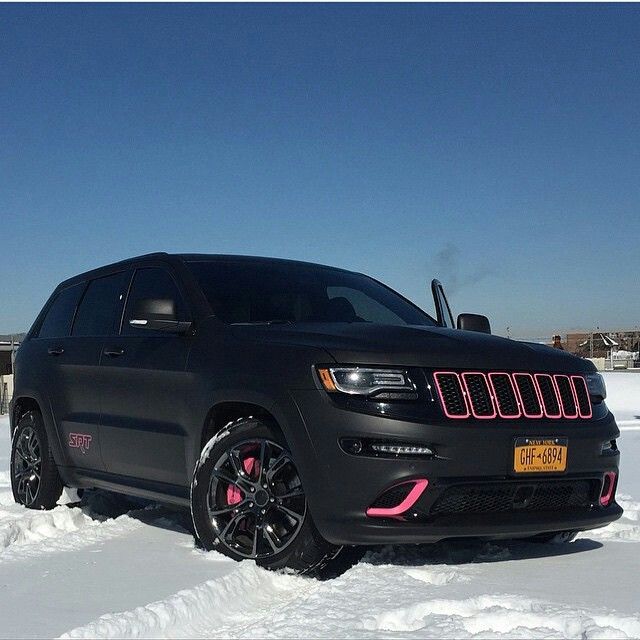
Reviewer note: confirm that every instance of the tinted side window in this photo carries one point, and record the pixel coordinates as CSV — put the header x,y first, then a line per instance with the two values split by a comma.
x,y
152,283
101,306
57,322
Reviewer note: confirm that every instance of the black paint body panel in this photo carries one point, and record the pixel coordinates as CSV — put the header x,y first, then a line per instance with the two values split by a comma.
x,y
147,409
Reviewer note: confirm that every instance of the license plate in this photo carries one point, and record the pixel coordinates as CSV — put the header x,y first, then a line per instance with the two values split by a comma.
x,y
540,455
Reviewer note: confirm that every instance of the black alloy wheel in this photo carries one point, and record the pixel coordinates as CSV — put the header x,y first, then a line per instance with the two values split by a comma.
x,y
248,501
256,502
27,466
35,480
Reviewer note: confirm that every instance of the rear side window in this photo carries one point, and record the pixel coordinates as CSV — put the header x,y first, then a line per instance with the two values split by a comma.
x,y
57,321
152,283
101,306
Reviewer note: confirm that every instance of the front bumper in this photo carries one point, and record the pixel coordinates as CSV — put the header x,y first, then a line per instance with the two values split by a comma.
x,y
341,486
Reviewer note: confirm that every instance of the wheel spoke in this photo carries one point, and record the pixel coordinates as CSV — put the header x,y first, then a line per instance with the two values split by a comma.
x,y
268,537
231,526
238,482
277,466
21,486
254,547
240,507
31,446
236,463
292,514
265,455
292,493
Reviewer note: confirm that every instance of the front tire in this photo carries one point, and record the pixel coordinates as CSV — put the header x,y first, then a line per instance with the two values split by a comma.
x,y
247,501
35,481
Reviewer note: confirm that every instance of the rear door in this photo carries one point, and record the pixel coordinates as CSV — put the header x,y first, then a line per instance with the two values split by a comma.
x,y
68,345
53,362
143,408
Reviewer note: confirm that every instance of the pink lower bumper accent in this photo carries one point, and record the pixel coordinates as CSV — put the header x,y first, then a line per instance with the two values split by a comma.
x,y
608,485
405,505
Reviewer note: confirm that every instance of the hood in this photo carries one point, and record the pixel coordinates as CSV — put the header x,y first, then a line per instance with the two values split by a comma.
x,y
432,347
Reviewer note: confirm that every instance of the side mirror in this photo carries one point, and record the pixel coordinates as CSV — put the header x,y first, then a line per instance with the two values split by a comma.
x,y
473,322
157,314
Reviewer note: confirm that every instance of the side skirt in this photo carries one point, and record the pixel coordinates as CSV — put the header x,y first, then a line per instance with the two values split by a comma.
x,y
161,492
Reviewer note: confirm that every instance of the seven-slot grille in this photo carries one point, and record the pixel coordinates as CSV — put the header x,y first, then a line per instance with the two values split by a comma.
x,y
512,395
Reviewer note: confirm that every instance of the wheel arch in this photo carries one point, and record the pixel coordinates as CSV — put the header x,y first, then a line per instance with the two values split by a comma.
x,y
29,401
282,412
21,406
223,413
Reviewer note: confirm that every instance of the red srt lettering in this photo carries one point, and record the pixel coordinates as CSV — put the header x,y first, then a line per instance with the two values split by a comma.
x,y
80,441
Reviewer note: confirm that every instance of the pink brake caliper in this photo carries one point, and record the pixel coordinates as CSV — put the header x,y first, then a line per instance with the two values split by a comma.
x,y
252,469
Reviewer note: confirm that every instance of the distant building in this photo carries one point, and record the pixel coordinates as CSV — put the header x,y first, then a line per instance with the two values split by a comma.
x,y
8,344
600,344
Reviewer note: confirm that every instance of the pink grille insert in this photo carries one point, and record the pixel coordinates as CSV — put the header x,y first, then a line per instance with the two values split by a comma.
x,y
512,395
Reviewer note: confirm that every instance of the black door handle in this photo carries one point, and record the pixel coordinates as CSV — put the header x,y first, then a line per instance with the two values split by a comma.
x,y
55,351
113,352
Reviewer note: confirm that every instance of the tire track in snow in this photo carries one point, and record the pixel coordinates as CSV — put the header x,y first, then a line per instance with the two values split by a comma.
x,y
251,602
63,529
373,599
239,599
507,616
27,533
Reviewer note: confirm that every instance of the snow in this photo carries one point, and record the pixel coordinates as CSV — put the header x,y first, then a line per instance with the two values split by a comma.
x,y
113,567
623,396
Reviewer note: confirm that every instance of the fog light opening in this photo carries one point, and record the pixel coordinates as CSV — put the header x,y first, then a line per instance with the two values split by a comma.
x,y
415,490
608,485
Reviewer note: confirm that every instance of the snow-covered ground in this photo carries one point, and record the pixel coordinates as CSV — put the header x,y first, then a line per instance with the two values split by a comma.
x,y
118,569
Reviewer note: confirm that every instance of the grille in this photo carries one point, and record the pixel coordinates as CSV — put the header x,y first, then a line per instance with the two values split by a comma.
x,y
505,395
506,497
568,400
582,396
512,395
392,497
477,388
528,395
451,394
548,395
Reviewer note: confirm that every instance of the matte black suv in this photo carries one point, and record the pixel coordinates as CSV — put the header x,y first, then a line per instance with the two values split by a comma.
x,y
298,409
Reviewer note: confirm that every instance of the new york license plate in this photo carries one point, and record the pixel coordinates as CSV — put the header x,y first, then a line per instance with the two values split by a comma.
x,y
540,455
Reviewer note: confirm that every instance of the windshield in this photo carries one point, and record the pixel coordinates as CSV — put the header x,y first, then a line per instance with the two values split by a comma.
x,y
243,291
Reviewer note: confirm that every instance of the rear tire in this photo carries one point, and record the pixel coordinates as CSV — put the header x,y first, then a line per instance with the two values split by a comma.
x,y
247,501
35,481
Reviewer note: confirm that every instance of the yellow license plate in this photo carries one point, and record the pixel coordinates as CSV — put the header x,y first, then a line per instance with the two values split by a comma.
x,y
540,455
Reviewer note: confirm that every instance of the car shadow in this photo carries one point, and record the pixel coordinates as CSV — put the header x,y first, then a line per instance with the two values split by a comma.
x,y
473,550
102,505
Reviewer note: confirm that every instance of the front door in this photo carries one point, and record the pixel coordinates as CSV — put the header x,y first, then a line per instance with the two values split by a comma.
x,y
143,408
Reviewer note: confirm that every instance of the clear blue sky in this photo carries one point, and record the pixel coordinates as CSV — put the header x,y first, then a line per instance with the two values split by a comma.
x,y
495,146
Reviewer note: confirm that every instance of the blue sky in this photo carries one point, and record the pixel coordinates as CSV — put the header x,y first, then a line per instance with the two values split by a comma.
x,y
494,146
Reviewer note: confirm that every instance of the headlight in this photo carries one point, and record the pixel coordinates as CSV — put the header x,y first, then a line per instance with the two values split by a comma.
x,y
365,381
596,385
